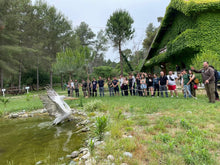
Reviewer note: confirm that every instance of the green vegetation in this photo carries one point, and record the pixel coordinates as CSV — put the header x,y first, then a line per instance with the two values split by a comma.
x,y
101,125
188,30
168,130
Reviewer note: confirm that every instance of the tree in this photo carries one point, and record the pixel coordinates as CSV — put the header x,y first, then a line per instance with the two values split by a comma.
x,y
99,48
85,34
119,30
151,31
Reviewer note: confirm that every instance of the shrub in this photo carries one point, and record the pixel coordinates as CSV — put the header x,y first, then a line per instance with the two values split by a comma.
x,y
101,125
96,105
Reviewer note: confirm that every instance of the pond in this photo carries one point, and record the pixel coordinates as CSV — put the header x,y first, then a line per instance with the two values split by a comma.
x,y
31,140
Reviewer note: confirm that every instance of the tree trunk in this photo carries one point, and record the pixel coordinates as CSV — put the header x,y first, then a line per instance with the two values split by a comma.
x,y
37,78
19,78
2,80
51,79
121,58
38,72
70,76
61,80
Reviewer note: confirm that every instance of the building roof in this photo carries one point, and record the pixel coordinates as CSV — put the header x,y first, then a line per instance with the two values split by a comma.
x,y
186,7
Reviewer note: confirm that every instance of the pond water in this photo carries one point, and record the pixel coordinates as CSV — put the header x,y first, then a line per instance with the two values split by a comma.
x,y
28,141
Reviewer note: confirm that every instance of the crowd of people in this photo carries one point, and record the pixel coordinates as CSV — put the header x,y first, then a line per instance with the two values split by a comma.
x,y
152,85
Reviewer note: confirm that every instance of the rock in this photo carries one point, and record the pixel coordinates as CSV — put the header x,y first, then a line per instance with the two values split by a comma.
x,y
128,154
86,129
15,115
30,115
97,143
90,161
72,162
43,111
124,164
189,111
61,158
39,162
81,150
110,157
68,156
25,116
86,156
130,136
107,134
74,154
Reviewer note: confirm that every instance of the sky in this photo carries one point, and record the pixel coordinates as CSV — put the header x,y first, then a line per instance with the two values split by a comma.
x,y
96,13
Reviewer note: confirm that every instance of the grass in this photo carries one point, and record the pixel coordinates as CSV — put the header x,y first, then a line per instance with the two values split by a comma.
x,y
155,130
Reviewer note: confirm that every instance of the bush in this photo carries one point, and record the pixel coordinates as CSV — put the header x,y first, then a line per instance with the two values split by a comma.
x,y
101,125
96,105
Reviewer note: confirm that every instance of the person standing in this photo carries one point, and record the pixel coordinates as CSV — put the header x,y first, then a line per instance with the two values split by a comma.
x,y
72,87
208,79
68,89
163,82
172,83
115,85
110,87
131,84
121,80
156,85
143,85
101,83
150,84
186,84
76,84
84,88
216,84
138,88
192,84
94,87
125,84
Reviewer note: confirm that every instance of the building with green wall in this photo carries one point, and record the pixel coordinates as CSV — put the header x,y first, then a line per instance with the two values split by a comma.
x,y
189,28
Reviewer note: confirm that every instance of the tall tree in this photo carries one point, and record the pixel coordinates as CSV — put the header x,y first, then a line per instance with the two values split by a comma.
x,y
99,48
119,30
85,34
150,34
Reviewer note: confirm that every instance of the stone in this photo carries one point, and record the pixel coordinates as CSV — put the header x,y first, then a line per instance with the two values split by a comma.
x,y
72,162
25,116
15,115
61,158
68,156
74,154
97,143
81,150
39,162
128,154
86,156
30,115
44,111
130,136
90,161
124,164
110,157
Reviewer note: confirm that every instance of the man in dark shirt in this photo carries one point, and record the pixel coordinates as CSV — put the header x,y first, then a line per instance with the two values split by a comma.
x,y
131,83
208,79
115,85
163,82
94,87
101,86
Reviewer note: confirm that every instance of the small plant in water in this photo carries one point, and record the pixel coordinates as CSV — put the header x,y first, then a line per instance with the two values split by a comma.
x,y
101,125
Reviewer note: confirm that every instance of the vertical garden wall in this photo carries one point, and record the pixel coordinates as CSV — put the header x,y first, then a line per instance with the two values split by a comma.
x,y
189,30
